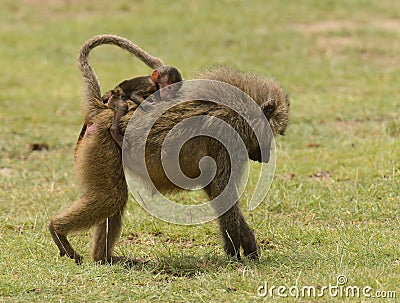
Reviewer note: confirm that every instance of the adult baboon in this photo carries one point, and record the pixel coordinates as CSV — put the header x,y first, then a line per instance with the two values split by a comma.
x,y
104,189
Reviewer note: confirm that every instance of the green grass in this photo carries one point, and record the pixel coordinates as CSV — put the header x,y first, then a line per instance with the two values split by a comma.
x,y
333,207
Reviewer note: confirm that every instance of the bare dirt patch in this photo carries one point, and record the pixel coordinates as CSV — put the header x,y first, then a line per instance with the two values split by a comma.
x,y
341,39
348,25
337,42
324,176
5,171
50,10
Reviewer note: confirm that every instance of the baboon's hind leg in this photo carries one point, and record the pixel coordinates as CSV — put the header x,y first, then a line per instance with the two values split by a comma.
x,y
64,246
81,215
105,236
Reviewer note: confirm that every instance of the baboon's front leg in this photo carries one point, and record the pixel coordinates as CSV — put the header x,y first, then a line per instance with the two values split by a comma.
x,y
229,223
247,239
230,231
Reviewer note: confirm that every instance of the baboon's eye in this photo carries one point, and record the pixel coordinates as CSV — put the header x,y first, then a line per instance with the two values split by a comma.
x,y
271,105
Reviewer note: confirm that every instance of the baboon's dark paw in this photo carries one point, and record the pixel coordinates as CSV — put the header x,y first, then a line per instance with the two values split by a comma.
x,y
78,259
251,255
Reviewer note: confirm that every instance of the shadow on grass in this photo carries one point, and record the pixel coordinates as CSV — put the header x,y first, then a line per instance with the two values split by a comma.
x,y
185,265
189,265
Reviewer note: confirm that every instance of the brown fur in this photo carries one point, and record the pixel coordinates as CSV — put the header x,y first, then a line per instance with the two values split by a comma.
x,y
104,191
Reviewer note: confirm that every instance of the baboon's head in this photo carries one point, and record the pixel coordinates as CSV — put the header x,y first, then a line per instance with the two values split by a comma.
x,y
267,93
274,103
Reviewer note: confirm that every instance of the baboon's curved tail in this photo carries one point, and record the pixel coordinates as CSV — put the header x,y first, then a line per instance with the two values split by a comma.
x,y
92,85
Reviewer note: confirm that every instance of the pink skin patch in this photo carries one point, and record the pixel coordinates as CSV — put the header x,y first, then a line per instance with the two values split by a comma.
x,y
91,130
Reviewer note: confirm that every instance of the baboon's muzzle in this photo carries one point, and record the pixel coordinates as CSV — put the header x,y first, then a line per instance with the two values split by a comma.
x,y
263,157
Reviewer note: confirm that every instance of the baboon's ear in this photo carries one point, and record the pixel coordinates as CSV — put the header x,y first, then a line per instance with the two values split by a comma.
x,y
154,75
268,108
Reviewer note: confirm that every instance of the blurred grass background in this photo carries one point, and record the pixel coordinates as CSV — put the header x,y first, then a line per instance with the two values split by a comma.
x,y
333,207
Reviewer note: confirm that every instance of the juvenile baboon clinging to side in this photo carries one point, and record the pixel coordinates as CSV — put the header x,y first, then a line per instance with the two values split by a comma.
x,y
137,90
99,166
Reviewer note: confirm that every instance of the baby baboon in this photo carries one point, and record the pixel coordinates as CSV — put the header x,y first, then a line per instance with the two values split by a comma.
x,y
137,90
104,189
